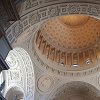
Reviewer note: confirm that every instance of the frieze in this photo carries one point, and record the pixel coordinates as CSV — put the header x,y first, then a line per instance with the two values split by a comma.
x,y
43,13
64,73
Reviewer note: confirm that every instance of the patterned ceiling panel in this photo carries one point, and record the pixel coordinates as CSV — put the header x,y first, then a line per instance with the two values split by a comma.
x,y
71,32
70,41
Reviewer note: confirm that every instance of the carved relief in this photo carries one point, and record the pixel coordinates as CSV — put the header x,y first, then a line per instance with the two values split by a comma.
x,y
45,83
21,72
46,12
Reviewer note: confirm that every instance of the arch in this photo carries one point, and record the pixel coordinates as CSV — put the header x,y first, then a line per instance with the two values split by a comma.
x,y
75,88
14,92
21,72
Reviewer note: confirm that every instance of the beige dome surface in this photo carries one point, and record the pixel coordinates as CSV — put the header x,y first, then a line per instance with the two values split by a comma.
x,y
70,41
62,34
74,20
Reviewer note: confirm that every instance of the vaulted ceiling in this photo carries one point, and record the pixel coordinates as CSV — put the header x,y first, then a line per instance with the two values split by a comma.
x,y
71,32
64,46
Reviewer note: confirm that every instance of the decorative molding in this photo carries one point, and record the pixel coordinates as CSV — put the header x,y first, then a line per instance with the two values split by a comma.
x,y
48,9
52,9
21,71
45,83
61,9
39,62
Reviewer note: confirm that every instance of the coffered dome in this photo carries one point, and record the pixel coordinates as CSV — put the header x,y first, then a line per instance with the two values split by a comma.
x,y
61,33
70,41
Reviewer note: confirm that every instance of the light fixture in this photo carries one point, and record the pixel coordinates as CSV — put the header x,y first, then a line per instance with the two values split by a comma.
x,y
88,61
75,65
62,63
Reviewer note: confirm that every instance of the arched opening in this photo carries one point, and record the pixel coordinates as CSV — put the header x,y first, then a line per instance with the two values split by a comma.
x,y
75,90
20,74
14,93
35,12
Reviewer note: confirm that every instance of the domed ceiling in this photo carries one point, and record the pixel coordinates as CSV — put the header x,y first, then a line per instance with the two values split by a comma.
x,y
72,40
71,32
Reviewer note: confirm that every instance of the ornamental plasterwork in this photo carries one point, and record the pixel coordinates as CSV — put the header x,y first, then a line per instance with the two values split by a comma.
x,y
46,12
57,71
45,83
59,82
21,72
30,5
55,8
41,89
40,14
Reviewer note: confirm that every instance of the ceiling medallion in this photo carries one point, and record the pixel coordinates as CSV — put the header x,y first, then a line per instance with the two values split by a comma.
x,y
74,20
45,83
